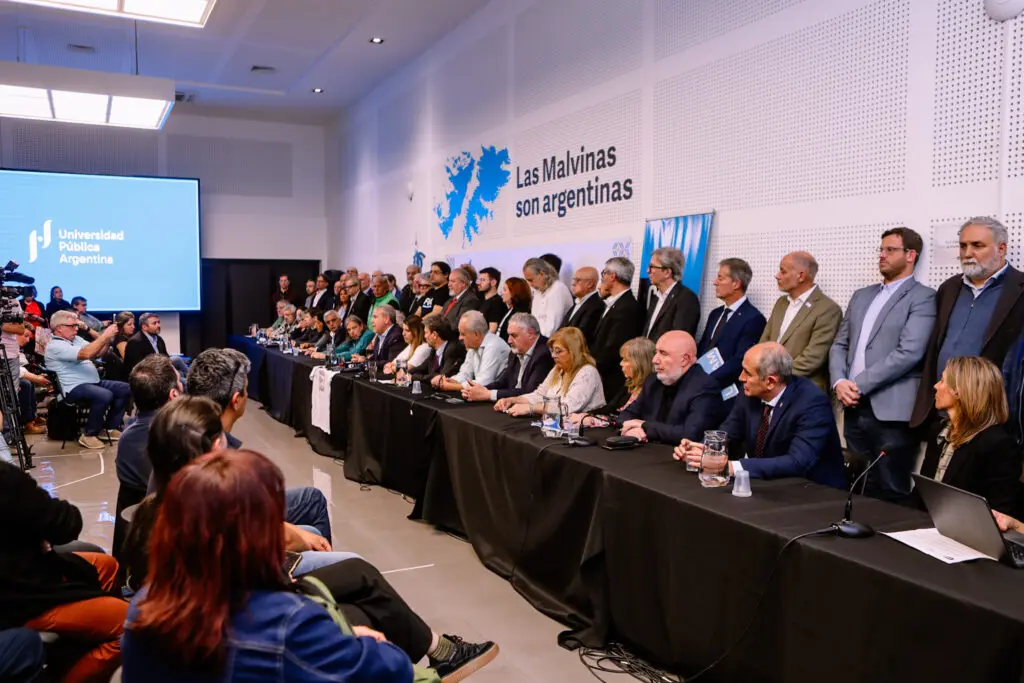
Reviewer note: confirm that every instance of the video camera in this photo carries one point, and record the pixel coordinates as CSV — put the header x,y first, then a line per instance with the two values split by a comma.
x,y
9,292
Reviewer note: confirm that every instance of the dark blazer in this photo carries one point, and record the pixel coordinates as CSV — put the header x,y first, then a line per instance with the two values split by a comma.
x,y
586,317
405,298
414,306
339,338
680,312
503,325
537,368
138,347
802,437
697,406
360,306
988,465
390,347
1002,330
452,358
619,325
326,303
467,302
742,330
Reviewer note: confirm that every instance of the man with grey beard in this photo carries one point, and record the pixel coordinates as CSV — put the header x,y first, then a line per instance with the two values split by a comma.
x,y
980,313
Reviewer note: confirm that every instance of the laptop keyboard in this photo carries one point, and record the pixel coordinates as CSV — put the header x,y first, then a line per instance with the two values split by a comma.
x,y
1016,552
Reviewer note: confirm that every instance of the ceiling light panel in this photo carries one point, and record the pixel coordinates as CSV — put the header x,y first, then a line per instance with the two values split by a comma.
x,y
136,112
79,107
180,12
30,103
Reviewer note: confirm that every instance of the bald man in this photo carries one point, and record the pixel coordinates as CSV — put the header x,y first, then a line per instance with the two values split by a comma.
x,y
587,304
782,425
805,321
679,400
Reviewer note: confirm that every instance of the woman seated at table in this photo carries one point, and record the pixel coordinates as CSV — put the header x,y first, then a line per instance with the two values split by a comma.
x,y
637,365
416,351
516,295
574,380
359,337
974,451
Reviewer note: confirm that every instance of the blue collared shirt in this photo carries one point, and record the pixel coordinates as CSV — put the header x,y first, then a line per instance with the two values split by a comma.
x,y
885,292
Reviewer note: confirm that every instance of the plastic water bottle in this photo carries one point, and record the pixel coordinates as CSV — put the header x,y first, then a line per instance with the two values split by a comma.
x,y
332,360
549,424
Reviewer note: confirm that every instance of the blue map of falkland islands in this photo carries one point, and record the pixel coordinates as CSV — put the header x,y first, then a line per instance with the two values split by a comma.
x,y
471,188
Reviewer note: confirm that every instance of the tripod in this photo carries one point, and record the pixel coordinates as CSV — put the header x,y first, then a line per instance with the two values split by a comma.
x,y
13,434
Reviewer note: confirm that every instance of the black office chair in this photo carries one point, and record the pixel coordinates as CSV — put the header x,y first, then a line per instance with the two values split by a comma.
x,y
66,420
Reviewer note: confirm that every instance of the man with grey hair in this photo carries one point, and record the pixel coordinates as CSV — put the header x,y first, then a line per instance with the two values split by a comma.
x,y
980,313
387,340
733,327
462,297
528,363
382,294
333,333
587,305
621,318
805,321
671,305
486,355
551,298
71,357
782,425
409,291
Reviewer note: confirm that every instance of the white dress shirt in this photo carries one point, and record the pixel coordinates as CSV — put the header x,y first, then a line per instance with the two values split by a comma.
x,y
586,392
317,296
579,302
483,365
885,293
661,302
794,307
736,466
523,360
550,306
610,301
414,358
728,312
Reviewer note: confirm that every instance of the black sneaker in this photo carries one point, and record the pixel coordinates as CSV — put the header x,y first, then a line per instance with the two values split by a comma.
x,y
467,658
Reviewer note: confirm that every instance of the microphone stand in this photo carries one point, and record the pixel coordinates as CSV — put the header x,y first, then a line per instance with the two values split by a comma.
x,y
846,527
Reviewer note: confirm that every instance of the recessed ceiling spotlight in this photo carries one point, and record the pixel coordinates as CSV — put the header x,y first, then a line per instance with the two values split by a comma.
x,y
318,90
376,40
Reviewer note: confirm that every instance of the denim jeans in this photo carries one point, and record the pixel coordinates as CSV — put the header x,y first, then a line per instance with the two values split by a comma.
x,y
26,401
106,400
5,451
21,655
307,506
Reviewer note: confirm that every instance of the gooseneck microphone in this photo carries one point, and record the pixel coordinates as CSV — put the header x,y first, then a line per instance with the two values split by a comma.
x,y
846,527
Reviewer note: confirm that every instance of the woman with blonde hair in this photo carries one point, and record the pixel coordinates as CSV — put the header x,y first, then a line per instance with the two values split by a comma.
x,y
416,351
974,451
574,380
637,365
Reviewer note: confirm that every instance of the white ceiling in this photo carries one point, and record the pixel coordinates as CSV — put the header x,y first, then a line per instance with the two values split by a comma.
x,y
311,43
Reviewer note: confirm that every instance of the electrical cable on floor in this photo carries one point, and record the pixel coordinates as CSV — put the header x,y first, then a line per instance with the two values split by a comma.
x,y
615,659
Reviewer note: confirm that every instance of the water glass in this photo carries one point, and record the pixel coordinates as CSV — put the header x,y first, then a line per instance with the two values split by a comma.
x,y
715,447
741,485
371,369
417,388
550,419
572,429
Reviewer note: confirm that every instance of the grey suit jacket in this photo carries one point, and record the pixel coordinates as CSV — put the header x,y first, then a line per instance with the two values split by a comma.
x,y
895,351
809,337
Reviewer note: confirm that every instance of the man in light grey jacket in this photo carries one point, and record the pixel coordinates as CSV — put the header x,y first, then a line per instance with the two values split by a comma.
x,y
875,363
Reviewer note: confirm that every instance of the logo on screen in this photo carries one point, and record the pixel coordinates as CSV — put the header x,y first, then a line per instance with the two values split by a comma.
x,y
35,239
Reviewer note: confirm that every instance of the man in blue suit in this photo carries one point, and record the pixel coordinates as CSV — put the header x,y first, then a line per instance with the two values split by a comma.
x,y
782,425
734,327
679,400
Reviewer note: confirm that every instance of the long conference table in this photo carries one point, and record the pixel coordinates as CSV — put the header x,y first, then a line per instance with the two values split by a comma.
x,y
627,546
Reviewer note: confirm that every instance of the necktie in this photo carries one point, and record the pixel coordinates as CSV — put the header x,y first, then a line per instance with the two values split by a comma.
x,y
451,304
433,362
762,431
722,320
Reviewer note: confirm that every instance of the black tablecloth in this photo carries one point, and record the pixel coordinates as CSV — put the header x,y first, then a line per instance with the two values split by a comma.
x,y
256,355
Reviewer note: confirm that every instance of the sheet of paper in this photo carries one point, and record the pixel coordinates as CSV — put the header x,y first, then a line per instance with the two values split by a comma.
x,y
711,361
931,542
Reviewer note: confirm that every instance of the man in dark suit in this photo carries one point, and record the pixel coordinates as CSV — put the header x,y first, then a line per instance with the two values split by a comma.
x,y
448,355
420,287
618,324
980,313
335,333
387,341
679,400
307,301
323,297
529,363
359,304
462,297
734,327
782,426
144,342
672,305
284,292
587,307
408,292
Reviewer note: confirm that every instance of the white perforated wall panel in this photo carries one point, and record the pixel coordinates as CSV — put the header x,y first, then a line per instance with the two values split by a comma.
x,y
401,129
1015,153
819,114
232,166
968,100
563,48
47,146
681,24
942,258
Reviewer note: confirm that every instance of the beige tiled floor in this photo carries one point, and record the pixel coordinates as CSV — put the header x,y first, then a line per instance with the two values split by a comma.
x,y
453,592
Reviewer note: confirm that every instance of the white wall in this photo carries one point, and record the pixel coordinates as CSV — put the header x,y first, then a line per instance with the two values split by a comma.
x,y
805,124
262,183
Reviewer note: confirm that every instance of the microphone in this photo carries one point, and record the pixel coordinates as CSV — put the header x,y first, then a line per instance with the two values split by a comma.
x,y
846,527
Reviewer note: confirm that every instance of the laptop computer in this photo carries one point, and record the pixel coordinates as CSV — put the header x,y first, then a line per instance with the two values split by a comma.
x,y
967,518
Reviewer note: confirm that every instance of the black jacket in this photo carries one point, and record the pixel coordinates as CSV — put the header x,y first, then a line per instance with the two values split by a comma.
x,y
697,406
680,312
619,325
586,317
988,465
453,311
452,358
138,347
537,368
391,346
360,307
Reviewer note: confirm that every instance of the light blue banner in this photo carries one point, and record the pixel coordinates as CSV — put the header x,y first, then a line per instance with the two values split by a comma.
x,y
689,234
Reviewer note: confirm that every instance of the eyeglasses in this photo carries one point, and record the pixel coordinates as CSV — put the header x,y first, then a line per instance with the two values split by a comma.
x,y
891,250
654,267
557,351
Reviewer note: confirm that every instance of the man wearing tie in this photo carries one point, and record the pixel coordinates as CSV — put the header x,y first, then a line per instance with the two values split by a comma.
x,y
462,298
587,305
387,341
876,360
805,321
621,317
671,304
529,362
734,327
448,354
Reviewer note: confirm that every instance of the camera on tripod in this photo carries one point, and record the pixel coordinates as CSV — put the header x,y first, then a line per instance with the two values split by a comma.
x,y
8,292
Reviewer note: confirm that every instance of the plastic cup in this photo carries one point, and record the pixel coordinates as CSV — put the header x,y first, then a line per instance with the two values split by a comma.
x,y
417,388
741,485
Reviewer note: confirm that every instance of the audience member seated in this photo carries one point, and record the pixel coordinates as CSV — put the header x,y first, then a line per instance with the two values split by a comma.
x,y
734,327
783,425
463,298
619,322
671,305
358,338
289,313
448,352
22,657
332,334
387,340
56,303
61,592
491,304
154,382
679,401
382,295
416,348
145,342
125,323
974,451
279,321
486,355
27,383
71,358
636,364
529,362
573,380
587,307
89,326
516,296
551,298
33,311
192,623
439,293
